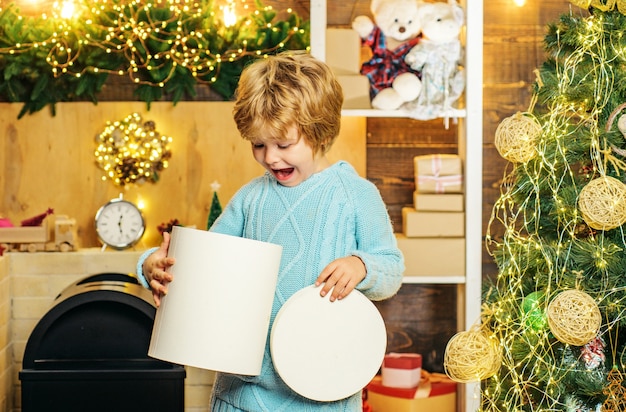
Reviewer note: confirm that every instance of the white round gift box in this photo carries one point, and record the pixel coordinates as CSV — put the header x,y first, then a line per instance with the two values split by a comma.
x,y
327,351
217,310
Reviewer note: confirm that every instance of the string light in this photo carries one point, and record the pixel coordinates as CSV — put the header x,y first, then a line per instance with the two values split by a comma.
x,y
230,17
163,44
67,9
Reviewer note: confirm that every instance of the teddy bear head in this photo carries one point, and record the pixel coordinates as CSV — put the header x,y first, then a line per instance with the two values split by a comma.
x,y
397,19
441,22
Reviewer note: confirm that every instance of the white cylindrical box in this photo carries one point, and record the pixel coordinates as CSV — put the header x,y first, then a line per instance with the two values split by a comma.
x,y
326,350
217,311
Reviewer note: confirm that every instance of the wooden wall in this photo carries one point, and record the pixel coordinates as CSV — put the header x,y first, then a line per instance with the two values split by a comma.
x,y
48,161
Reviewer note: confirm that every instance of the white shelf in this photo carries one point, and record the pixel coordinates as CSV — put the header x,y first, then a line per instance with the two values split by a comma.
x,y
452,113
436,280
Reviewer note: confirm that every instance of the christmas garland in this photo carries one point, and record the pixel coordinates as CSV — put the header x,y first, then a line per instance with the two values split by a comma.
x,y
604,5
165,47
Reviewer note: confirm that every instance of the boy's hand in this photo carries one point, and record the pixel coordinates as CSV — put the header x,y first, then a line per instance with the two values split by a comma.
x,y
155,269
341,275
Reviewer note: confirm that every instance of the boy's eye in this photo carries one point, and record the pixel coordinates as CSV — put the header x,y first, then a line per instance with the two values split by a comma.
x,y
257,145
283,146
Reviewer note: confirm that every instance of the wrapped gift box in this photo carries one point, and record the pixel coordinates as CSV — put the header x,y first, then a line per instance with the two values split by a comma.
x,y
343,51
438,173
402,370
433,256
435,393
343,55
438,202
432,224
356,91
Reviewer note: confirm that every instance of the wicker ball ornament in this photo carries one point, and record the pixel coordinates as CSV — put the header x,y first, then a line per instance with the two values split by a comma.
x,y
471,356
621,124
602,203
574,317
516,137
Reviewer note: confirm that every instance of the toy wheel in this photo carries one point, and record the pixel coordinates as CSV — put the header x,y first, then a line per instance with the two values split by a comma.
x,y
65,247
31,248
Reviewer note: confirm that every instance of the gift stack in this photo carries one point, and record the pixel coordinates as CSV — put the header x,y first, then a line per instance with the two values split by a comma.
x,y
343,55
405,387
433,229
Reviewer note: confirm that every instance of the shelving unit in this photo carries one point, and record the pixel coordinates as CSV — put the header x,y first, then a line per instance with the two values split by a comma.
x,y
442,280
470,149
452,113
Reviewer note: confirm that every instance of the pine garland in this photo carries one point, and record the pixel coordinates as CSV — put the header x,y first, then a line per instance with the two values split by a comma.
x,y
164,47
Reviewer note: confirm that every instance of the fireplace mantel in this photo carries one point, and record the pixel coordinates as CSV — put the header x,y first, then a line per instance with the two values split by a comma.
x,y
29,284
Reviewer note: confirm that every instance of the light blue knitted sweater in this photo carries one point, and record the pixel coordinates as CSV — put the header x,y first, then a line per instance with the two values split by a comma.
x,y
332,214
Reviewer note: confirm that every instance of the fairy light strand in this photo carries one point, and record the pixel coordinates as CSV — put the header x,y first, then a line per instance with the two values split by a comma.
x,y
152,42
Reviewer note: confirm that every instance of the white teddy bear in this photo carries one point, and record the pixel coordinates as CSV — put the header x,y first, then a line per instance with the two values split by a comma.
x,y
395,31
438,57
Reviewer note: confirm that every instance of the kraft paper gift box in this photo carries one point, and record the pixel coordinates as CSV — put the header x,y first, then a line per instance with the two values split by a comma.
x,y
438,173
343,51
438,202
402,370
432,224
433,256
356,91
435,393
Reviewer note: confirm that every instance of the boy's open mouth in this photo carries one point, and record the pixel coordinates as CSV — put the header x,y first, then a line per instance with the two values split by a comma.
x,y
283,174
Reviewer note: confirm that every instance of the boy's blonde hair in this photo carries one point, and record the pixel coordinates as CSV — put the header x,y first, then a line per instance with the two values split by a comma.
x,y
285,90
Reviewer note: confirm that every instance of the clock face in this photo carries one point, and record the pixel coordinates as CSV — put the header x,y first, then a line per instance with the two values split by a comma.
x,y
119,224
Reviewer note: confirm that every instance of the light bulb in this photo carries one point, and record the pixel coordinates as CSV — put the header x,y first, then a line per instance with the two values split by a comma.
x,y
230,18
67,9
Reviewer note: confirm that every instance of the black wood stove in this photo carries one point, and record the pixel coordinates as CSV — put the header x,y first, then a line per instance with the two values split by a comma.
x,y
89,353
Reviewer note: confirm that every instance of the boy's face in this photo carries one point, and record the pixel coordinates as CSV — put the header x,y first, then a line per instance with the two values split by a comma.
x,y
290,159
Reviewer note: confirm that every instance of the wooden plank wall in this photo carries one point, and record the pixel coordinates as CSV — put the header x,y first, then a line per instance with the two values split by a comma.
x,y
48,161
391,146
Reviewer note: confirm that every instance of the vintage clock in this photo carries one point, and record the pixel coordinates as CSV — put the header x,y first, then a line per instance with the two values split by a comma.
x,y
119,224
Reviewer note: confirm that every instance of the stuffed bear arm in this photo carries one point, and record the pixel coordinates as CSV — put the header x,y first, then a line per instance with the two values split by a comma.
x,y
363,25
417,57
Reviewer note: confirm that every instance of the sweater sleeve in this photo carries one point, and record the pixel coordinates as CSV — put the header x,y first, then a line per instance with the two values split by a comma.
x,y
376,244
140,276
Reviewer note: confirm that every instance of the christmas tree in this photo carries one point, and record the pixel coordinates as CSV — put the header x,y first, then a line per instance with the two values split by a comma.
x,y
552,333
216,207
